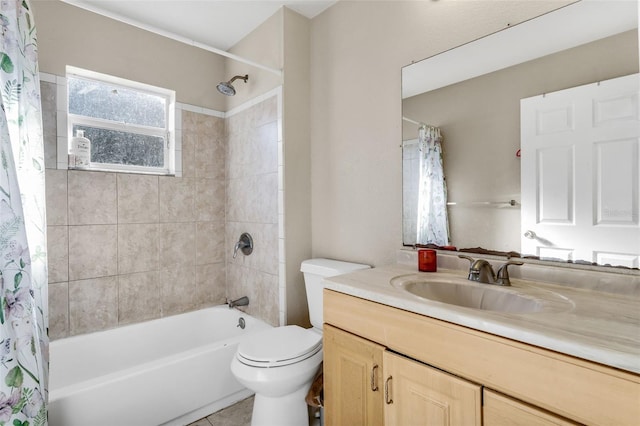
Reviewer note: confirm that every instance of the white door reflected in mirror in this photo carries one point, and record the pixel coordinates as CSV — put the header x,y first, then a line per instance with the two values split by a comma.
x,y
580,173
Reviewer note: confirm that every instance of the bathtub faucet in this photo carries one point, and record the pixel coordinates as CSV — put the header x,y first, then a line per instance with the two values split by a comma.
x,y
243,301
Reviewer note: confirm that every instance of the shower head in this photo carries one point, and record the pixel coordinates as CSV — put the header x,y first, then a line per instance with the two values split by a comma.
x,y
226,88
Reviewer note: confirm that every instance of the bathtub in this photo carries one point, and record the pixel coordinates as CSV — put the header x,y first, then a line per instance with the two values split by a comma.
x,y
170,371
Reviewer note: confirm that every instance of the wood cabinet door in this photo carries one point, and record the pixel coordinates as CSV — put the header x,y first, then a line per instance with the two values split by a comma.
x,y
500,410
352,379
417,394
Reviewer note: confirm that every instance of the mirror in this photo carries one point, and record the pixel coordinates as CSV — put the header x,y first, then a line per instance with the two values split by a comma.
x,y
472,94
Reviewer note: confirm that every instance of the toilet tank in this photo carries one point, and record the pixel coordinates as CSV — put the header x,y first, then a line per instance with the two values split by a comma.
x,y
315,270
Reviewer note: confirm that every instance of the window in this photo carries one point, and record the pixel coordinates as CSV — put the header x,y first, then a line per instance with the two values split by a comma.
x,y
130,125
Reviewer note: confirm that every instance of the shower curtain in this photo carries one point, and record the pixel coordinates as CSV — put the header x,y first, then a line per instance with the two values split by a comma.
x,y
433,223
23,263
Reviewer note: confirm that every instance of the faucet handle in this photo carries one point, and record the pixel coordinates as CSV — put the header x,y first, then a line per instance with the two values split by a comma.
x,y
503,273
471,260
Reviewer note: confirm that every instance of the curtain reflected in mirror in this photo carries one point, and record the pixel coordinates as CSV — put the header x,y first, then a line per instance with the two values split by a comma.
x,y
426,220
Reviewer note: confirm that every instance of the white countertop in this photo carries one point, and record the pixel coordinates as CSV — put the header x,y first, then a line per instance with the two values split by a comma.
x,y
596,326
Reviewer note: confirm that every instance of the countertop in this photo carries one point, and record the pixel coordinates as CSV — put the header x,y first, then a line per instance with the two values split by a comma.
x,y
592,325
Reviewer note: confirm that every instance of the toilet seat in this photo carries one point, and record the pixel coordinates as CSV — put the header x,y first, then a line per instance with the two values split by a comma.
x,y
279,346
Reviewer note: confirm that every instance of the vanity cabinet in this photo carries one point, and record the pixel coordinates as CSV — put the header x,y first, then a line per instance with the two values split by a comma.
x,y
353,396
412,393
500,410
416,394
437,373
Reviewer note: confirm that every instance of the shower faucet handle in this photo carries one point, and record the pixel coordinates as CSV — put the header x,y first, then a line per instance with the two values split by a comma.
x,y
244,244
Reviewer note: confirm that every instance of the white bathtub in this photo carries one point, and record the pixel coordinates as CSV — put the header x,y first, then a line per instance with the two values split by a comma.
x,y
169,371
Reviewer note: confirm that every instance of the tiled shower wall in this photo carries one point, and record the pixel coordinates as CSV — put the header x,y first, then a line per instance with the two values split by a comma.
x,y
252,206
126,248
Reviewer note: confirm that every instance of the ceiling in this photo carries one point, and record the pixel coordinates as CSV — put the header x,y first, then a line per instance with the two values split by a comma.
x,y
217,24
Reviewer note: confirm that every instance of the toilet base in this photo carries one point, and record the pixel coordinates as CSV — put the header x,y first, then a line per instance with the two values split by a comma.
x,y
287,410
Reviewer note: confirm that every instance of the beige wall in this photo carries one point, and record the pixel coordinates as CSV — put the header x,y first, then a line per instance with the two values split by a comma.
x,y
297,162
357,51
68,35
480,120
264,46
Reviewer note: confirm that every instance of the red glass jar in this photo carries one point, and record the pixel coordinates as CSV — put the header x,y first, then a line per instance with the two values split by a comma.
x,y
427,261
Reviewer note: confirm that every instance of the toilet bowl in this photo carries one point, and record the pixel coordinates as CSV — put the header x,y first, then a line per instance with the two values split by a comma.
x,y
280,364
280,372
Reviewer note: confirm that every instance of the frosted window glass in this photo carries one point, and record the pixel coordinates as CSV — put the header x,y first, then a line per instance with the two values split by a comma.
x,y
128,123
117,147
116,103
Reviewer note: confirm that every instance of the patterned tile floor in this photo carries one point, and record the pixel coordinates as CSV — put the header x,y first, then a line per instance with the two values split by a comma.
x,y
238,414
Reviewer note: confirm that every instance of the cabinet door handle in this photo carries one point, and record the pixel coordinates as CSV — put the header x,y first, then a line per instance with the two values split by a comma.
x,y
374,381
387,386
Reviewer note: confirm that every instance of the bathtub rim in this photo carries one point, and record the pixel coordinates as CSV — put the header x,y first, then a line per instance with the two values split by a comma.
x,y
92,383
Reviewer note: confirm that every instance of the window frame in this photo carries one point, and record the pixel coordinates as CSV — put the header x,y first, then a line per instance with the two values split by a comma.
x,y
168,132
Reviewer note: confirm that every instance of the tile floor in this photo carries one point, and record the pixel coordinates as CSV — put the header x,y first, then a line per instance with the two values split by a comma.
x,y
238,414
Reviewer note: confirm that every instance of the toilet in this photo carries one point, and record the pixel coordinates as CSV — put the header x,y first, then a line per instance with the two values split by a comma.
x,y
279,364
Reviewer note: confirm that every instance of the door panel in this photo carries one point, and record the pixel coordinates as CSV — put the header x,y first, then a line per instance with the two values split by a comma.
x,y
580,175
352,374
419,395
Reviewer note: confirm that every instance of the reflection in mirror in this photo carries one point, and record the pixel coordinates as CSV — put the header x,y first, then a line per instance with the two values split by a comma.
x,y
479,115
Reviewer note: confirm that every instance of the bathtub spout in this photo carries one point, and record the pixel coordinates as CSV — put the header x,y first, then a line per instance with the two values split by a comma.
x,y
243,301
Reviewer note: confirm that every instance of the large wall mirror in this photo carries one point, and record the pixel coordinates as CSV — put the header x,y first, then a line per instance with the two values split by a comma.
x,y
504,195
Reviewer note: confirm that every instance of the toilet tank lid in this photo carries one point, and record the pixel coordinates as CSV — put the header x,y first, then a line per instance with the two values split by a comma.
x,y
329,267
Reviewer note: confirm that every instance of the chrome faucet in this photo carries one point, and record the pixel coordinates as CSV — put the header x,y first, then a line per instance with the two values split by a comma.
x,y
244,244
481,271
243,301
239,246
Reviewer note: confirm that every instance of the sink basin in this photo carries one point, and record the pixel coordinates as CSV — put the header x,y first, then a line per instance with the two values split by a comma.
x,y
487,297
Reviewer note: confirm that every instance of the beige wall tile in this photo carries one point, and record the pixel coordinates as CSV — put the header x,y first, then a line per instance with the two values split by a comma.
x,y
137,248
209,200
253,199
137,198
139,297
210,157
254,152
58,253
92,251
190,120
210,242
265,112
176,199
269,299
177,247
178,290
153,231
265,246
189,139
251,206
56,196
92,198
93,305
264,140
210,284
238,123
58,310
